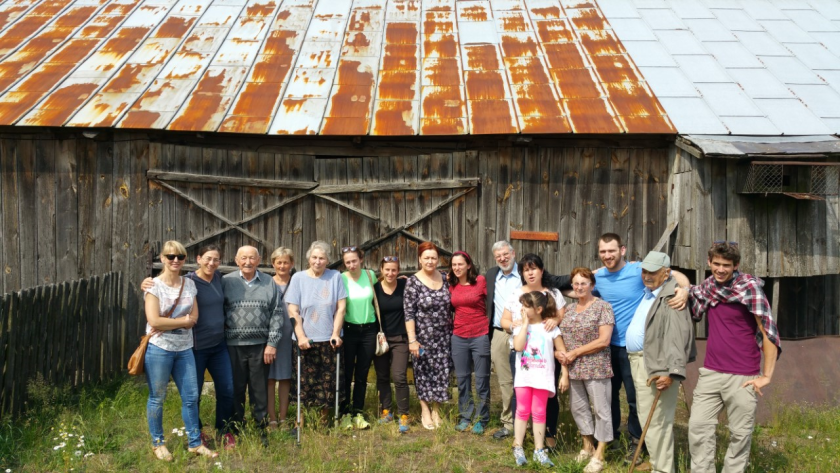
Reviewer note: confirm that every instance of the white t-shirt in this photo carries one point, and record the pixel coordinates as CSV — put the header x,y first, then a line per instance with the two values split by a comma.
x,y
535,364
515,307
179,339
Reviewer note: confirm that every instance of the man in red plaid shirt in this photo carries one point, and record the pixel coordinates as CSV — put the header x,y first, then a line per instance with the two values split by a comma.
x,y
741,328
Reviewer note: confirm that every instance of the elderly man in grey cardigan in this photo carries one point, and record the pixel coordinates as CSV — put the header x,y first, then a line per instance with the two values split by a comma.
x,y
660,342
254,317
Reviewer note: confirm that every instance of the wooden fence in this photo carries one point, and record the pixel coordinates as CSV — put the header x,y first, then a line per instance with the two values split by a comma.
x,y
70,333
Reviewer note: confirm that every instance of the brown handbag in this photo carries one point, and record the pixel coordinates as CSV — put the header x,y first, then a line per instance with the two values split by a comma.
x,y
382,346
136,362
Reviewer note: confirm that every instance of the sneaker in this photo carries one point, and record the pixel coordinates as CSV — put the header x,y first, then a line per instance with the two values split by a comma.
x,y
229,441
631,450
541,457
478,428
346,422
403,424
519,456
386,417
502,433
360,423
462,426
205,440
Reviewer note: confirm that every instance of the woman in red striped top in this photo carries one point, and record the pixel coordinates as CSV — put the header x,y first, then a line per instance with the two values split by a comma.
x,y
470,341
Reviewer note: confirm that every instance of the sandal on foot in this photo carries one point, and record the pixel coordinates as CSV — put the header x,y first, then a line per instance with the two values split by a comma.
x,y
203,451
594,466
427,424
583,456
162,453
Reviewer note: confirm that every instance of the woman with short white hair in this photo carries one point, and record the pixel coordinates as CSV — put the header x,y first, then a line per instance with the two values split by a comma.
x,y
316,299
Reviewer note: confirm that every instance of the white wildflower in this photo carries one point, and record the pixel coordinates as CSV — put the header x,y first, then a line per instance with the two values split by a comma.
x,y
174,431
57,447
88,454
78,453
810,437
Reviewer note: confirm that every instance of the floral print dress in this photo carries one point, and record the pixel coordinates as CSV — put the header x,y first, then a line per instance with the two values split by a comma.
x,y
432,315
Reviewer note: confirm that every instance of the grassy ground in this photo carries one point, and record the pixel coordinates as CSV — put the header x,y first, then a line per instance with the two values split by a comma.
x,y
104,429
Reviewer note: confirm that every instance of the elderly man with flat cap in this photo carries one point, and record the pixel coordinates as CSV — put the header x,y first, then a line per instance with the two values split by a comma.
x,y
660,342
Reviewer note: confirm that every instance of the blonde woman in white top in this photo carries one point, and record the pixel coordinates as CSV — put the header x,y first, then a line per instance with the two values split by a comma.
x,y
170,350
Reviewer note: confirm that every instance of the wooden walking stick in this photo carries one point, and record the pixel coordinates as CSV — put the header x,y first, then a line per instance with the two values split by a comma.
x,y
644,431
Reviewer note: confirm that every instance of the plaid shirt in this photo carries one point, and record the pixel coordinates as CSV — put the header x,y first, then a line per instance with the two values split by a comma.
x,y
743,289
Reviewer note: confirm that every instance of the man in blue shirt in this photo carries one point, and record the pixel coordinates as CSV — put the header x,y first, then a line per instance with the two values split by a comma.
x,y
620,284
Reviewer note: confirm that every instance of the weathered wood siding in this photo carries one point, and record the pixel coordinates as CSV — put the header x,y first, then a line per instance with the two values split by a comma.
x,y
778,236
73,207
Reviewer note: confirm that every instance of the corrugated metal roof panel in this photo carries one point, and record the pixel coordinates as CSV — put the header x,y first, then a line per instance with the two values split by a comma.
x,y
792,116
820,99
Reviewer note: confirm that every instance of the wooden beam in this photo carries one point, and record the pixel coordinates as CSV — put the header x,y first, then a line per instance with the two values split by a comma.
x,y
227,180
534,236
416,238
688,147
666,235
774,304
213,213
350,208
257,215
395,186
375,241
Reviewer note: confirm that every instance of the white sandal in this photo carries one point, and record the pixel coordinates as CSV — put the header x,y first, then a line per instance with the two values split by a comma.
x,y
162,453
583,456
203,451
594,466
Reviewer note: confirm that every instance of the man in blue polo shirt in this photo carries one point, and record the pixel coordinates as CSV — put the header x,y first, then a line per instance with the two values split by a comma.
x,y
620,283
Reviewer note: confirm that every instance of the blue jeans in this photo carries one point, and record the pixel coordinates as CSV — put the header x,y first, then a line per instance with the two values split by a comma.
x,y
621,375
216,360
159,365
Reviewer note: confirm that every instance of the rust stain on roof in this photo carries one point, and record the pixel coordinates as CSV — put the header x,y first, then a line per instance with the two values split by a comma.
x,y
394,118
401,33
60,104
175,27
516,47
482,57
261,9
591,115
547,12
554,31
140,119
438,22
491,117
552,67
474,13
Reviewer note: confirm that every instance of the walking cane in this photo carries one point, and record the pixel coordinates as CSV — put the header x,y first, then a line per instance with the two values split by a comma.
x,y
294,322
644,431
337,367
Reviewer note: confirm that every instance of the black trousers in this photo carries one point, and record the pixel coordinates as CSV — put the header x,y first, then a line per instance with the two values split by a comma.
x,y
359,349
621,375
249,372
393,366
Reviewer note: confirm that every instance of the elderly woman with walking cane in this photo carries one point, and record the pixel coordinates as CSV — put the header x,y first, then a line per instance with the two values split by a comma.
x,y
316,300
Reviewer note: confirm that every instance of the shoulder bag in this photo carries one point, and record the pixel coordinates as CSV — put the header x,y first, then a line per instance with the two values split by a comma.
x,y
381,342
136,362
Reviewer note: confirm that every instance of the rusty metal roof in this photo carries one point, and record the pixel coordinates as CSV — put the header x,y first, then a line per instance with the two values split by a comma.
x,y
328,67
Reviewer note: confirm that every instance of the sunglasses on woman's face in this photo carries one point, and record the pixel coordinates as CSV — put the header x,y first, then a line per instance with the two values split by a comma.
x,y
390,259
176,257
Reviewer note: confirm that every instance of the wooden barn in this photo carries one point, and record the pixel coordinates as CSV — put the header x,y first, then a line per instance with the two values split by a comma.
x,y
381,123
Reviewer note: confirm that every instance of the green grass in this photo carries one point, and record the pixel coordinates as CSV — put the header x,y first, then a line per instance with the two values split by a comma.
x,y
111,417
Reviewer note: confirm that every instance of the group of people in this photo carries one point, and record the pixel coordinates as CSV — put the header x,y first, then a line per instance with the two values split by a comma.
x,y
629,324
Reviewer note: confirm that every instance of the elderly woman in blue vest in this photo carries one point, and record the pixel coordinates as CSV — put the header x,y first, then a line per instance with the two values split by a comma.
x,y
280,372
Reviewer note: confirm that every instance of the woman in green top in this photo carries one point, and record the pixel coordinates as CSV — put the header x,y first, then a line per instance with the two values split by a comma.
x,y
360,328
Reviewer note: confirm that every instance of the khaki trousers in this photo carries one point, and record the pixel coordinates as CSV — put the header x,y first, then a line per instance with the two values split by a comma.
x,y
500,358
714,392
660,435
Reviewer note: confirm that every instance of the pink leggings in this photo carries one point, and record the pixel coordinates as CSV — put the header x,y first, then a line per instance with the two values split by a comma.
x,y
531,402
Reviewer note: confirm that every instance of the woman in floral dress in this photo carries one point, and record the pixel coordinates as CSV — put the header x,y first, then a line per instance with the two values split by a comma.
x,y
428,321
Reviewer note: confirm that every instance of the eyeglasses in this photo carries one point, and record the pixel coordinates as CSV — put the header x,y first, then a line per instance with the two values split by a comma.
x,y
176,257
581,284
348,249
724,242
390,259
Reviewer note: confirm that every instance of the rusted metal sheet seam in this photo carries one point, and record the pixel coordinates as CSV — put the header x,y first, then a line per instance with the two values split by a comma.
x,y
21,114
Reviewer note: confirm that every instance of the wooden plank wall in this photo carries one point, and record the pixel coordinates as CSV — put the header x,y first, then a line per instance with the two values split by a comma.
x,y
779,236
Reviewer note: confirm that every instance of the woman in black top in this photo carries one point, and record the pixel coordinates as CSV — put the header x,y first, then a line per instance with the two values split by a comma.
x,y
393,364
